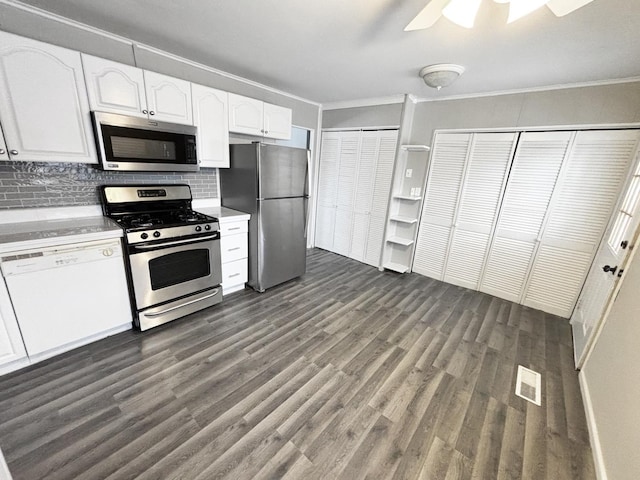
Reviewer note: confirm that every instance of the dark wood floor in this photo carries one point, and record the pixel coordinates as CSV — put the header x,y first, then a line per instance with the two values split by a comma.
x,y
347,373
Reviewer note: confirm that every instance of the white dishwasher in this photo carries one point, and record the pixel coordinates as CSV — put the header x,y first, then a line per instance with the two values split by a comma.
x,y
67,295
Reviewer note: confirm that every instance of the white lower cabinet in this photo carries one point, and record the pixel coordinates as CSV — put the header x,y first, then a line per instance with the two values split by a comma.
x,y
11,346
234,251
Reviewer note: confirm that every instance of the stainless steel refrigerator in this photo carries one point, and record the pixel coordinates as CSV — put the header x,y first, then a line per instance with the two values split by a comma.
x,y
271,183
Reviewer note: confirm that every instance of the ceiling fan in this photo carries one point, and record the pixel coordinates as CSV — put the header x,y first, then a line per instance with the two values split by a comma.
x,y
463,12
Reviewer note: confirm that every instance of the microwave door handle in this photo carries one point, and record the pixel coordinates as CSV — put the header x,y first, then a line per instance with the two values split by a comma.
x,y
157,314
178,242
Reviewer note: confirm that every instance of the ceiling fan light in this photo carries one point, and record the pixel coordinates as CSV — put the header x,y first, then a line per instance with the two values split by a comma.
x,y
441,75
462,12
520,8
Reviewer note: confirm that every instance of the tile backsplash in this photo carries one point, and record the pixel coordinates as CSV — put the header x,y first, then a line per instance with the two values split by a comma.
x,y
40,184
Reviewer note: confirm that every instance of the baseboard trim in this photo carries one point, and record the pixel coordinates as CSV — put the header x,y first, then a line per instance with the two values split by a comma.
x,y
596,448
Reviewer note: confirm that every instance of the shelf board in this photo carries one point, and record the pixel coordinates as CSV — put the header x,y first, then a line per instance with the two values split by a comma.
x,y
416,148
408,197
396,267
403,219
400,241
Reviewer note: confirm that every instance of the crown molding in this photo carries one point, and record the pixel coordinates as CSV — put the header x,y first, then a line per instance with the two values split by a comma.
x,y
365,102
563,86
112,36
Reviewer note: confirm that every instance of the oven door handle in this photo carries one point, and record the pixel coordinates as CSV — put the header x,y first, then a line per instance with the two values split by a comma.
x,y
157,314
177,242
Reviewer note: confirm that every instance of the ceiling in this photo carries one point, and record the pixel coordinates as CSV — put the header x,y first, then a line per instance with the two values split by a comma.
x,y
344,50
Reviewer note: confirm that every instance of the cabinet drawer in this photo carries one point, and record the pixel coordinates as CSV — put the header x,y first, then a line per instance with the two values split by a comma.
x,y
234,273
233,247
233,228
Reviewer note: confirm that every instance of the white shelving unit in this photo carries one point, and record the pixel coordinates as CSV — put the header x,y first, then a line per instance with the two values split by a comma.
x,y
404,210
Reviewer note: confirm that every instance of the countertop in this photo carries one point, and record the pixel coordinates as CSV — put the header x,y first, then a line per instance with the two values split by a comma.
x,y
48,233
224,214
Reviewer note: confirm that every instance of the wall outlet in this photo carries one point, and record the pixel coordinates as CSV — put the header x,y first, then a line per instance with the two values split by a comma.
x,y
417,192
413,192
408,173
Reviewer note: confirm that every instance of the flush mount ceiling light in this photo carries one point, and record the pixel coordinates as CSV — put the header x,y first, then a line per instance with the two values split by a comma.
x,y
441,75
463,12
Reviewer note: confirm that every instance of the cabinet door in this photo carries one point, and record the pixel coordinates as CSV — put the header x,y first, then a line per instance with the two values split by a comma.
x,y
485,176
532,180
211,116
43,102
4,155
246,115
114,87
582,204
11,345
277,122
168,98
441,201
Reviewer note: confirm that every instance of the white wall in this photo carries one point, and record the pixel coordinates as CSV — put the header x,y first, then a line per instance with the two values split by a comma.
x,y
603,104
613,383
361,117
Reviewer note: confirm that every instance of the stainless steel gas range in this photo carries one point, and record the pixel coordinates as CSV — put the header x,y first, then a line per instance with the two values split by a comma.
x,y
173,251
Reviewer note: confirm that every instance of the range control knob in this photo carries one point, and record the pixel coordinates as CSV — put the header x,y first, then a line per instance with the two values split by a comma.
x,y
144,236
207,227
156,234
198,228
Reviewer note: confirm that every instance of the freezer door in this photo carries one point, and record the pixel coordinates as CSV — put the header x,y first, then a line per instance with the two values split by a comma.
x,y
282,241
282,171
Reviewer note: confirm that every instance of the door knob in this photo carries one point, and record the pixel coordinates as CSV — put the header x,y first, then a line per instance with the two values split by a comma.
x,y
2,151
608,269
624,244
151,112
13,152
146,112
620,273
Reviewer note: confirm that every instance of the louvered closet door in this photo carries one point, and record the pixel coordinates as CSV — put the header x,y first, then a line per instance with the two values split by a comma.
x,y
380,200
369,147
580,210
327,189
348,160
439,207
532,179
484,179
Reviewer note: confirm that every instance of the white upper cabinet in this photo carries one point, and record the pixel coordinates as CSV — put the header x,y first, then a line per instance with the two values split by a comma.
x,y
254,117
4,155
114,87
246,115
168,98
44,109
211,116
277,122
117,88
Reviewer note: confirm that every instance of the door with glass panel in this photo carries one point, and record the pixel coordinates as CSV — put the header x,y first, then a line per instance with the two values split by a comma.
x,y
607,268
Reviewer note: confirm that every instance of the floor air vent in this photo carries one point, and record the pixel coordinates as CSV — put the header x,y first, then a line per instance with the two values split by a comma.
x,y
529,385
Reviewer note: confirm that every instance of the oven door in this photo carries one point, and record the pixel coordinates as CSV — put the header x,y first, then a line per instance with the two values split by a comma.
x,y
166,271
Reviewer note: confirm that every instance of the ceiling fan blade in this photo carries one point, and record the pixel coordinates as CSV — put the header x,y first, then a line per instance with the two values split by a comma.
x,y
427,16
560,8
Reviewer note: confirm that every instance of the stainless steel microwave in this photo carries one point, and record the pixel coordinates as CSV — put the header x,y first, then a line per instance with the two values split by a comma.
x,y
139,144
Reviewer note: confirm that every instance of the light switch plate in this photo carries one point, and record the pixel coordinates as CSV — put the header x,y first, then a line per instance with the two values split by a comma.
x,y
408,173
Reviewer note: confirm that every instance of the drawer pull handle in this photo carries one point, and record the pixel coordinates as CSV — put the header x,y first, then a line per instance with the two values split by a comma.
x,y
232,249
234,228
234,275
